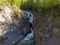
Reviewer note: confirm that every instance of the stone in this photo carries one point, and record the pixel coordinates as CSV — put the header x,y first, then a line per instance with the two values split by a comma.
x,y
12,27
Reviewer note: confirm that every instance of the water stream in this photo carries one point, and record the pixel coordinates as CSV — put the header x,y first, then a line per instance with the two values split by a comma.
x,y
29,39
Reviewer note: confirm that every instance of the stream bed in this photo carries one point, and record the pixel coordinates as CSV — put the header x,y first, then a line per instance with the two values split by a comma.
x,y
29,39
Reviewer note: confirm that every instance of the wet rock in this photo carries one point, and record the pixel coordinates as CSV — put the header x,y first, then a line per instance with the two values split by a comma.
x,y
29,39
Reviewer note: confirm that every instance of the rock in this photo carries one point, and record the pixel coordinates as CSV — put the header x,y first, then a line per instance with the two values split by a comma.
x,y
47,22
12,27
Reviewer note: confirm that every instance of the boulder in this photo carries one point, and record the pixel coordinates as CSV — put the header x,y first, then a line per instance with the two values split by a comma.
x,y
13,26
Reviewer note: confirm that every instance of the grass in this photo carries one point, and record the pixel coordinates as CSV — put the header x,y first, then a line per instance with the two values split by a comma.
x,y
48,3
39,4
31,4
3,2
15,3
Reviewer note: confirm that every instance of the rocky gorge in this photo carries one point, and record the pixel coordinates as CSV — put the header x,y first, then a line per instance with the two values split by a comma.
x,y
14,27
32,27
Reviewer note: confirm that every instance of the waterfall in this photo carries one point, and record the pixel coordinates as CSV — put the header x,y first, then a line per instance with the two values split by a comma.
x,y
27,40
31,18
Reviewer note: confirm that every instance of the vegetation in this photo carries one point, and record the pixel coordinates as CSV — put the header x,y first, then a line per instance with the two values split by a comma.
x,y
15,4
35,5
31,4
39,4
46,11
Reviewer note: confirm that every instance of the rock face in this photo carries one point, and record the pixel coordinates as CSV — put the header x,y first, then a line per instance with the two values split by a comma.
x,y
12,27
47,27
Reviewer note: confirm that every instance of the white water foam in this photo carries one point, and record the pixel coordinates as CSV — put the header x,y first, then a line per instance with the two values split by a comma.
x,y
30,16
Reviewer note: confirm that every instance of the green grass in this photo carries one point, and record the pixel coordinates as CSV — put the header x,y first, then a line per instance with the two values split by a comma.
x,y
38,4
15,6
11,2
3,2
31,4
48,3
15,2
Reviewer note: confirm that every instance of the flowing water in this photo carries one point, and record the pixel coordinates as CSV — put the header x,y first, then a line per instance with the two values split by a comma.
x,y
29,39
